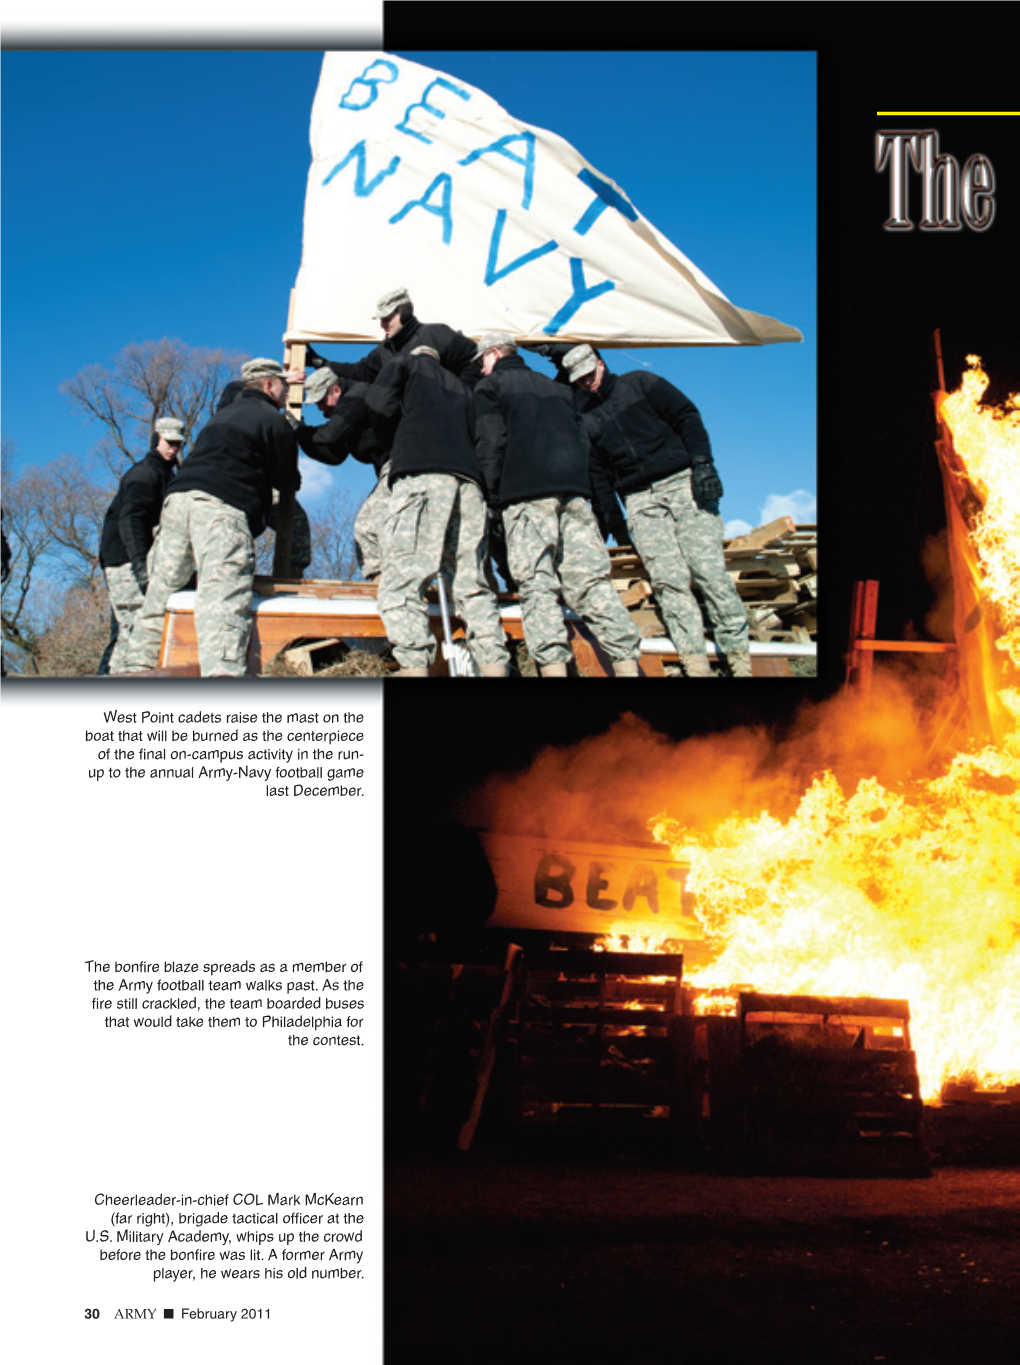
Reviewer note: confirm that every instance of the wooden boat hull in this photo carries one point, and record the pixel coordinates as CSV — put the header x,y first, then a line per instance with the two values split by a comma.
x,y
287,612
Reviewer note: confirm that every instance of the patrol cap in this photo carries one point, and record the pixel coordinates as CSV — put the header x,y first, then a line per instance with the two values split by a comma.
x,y
389,303
320,383
579,362
426,350
170,428
261,369
490,339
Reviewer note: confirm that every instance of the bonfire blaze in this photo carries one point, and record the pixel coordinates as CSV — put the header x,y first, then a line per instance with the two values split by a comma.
x,y
914,893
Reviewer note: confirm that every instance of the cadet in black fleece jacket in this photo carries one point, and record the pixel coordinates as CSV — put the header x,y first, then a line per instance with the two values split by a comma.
x,y
243,452
348,430
128,530
423,414
219,502
437,516
131,518
534,457
530,440
403,333
651,443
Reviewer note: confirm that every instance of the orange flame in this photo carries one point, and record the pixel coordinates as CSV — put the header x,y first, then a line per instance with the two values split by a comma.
x,y
987,441
912,896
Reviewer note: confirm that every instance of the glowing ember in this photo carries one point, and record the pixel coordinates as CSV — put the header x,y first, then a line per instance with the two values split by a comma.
x,y
910,894
626,941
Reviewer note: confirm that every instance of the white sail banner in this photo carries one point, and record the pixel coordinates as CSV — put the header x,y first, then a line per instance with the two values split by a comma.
x,y
421,180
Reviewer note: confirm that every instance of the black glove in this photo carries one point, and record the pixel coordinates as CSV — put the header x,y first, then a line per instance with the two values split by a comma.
x,y
313,361
706,485
552,350
497,549
611,521
141,574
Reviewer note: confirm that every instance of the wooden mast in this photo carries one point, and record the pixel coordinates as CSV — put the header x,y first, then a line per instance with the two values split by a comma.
x,y
293,359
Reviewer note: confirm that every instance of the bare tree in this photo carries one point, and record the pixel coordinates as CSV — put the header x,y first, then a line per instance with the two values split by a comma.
x,y
327,535
73,642
54,613
52,517
71,507
145,381
29,542
333,554
53,513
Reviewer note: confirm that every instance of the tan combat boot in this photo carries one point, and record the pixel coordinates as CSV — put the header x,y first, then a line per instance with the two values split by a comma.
x,y
740,664
492,670
696,666
552,670
626,668
410,673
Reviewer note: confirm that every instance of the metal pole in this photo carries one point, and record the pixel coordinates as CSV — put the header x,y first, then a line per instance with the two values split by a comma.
x,y
444,608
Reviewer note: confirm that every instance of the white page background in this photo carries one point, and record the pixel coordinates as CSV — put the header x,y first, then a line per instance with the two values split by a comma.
x,y
193,871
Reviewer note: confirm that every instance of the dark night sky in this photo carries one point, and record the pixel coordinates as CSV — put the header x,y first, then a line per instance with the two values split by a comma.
x,y
880,481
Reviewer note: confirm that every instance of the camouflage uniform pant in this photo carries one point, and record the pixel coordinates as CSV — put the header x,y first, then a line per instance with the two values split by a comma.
x,y
555,552
199,532
126,598
438,521
370,527
680,544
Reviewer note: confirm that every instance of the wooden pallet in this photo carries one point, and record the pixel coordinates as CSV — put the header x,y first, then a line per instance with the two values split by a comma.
x,y
774,569
830,1086
609,1045
591,1036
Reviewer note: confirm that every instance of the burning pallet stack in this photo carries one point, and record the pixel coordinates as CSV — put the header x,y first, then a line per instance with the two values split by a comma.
x,y
774,568
592,1036
806,1085
608,1043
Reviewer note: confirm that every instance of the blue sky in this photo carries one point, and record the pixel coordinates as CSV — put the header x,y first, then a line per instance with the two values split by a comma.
x,y
161,193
